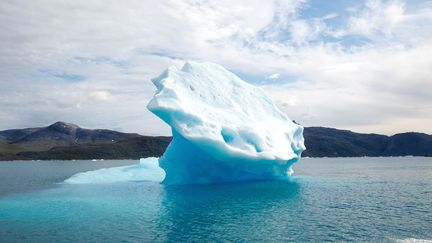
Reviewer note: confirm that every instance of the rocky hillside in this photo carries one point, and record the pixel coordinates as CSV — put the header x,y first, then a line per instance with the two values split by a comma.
x,y
68,141
60,134
330,142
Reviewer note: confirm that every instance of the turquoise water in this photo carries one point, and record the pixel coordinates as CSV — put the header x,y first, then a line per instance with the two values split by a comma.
x,y
333,200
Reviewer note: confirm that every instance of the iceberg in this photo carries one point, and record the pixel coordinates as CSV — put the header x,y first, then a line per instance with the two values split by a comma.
x,y
223,128
146,170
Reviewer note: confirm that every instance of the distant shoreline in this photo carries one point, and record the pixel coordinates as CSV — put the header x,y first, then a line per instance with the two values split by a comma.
x,y
66,141
100,160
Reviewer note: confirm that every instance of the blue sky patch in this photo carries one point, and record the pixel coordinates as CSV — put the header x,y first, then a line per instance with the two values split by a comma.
x,y
69,77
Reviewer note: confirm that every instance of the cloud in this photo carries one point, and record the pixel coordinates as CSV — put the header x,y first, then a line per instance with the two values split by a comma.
x,y
365,67
273,76
101,96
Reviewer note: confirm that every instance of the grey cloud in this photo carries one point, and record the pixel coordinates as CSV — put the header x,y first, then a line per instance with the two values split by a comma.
x,y
116,48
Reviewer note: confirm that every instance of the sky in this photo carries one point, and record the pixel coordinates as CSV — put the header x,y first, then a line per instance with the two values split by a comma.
x,y
365,66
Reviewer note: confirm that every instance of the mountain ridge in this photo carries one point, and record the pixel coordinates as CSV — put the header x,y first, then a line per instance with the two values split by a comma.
x,y
63,140
332,142
61,134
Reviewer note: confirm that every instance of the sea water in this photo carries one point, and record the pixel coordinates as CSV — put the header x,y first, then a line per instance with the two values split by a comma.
x,y
327,200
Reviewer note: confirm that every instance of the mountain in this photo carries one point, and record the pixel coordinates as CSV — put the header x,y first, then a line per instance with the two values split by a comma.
x,y
15,134
331,142
68,141
60,134
410,143
134,148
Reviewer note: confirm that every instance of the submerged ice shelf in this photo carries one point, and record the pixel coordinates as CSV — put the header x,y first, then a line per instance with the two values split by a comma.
x,y
224,129
147,170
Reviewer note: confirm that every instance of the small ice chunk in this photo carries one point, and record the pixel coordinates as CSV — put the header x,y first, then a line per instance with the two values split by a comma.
x,y
146,170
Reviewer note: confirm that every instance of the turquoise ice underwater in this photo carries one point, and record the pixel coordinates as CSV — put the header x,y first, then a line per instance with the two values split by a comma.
x,y
337,200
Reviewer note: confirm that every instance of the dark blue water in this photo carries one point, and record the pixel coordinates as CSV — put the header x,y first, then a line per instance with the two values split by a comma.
x,y
328,200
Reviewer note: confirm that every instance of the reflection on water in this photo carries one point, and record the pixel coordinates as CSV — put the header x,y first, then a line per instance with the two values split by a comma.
x,y
211,211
